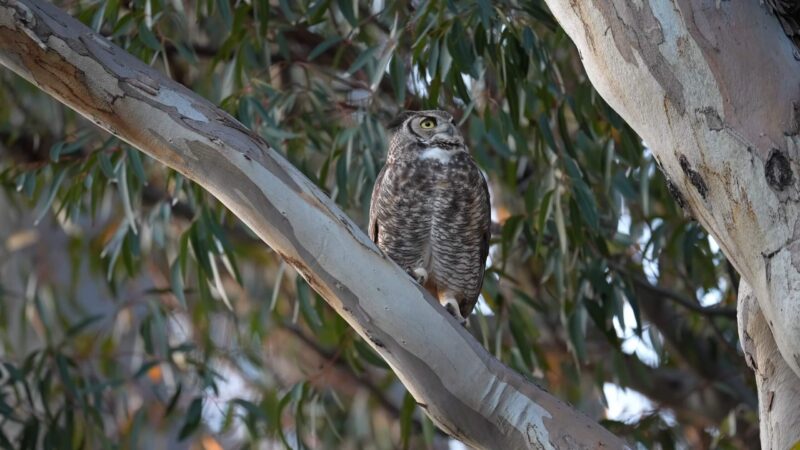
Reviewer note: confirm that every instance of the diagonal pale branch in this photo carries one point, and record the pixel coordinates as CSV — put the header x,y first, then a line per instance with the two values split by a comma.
x,y
460,385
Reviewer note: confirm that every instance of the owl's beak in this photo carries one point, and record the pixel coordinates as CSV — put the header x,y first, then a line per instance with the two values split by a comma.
x,y
451,136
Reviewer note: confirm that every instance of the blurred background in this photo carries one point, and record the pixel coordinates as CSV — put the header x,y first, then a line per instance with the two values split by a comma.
x,y
137,312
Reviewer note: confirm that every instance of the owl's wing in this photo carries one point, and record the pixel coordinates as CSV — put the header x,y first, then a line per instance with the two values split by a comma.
x,y
372,231
486,227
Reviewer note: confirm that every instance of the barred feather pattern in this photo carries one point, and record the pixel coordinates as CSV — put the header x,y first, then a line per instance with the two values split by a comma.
x,y
434,213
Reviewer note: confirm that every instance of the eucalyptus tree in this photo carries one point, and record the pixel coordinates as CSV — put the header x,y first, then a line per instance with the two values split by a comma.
x,y
137,297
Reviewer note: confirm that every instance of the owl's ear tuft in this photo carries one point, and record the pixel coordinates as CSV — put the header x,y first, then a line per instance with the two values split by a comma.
x,y
399,120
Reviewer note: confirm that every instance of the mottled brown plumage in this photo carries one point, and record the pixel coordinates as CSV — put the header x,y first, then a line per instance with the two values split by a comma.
x,y
430,209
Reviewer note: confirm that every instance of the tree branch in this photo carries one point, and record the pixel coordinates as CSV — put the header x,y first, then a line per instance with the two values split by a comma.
x,y
465,391
673,295
778,386
700,353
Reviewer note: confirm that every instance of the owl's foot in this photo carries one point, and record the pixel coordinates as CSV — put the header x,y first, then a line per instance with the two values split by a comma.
x,y
419,274
451,306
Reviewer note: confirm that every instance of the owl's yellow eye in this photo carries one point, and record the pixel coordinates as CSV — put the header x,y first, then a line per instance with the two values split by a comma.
x,y
427,124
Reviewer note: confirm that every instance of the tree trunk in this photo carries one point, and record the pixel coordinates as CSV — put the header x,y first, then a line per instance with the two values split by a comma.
x,y
778,386
712,87
459,384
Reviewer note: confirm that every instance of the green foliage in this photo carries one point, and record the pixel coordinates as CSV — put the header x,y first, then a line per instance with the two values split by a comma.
x,y
136,311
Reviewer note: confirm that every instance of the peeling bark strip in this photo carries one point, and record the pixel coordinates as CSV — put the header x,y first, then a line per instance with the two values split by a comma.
x,y
713,88
466,391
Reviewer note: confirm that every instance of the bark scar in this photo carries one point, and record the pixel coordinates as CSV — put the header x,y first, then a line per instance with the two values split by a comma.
x,y
778,170
694,176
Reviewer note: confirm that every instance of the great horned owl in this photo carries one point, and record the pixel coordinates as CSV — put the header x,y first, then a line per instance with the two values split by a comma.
x,y
430,209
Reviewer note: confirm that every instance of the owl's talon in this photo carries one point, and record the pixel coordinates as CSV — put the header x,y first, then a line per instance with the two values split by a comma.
x,y
419,274
451,306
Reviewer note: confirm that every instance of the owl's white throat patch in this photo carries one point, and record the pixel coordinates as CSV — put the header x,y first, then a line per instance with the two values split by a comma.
x,y
437,153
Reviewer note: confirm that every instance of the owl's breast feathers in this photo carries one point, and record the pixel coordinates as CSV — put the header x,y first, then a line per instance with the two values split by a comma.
x,y
432,211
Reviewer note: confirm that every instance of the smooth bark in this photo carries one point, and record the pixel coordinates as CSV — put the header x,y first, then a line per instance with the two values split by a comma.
x,y
778,386
457,382
712,87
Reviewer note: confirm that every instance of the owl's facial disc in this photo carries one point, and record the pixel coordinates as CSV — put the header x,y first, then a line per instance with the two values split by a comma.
x,y
436,129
